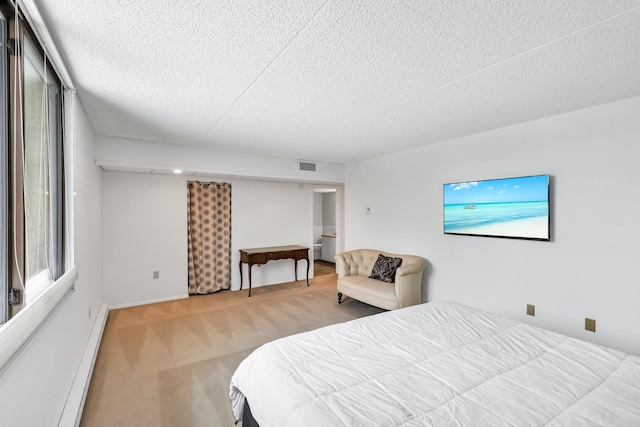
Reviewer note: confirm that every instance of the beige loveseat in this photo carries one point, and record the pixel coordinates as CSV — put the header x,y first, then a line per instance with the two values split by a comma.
x,y
354,268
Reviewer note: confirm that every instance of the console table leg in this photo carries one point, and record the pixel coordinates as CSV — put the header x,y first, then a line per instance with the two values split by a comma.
x,y
240,275
250,279
308,265
295,269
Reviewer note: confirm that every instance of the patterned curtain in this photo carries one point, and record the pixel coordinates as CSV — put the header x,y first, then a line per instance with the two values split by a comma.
x,y
209,236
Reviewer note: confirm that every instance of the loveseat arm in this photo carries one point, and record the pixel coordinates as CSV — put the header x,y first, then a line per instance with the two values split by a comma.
x,y
409,282
417,266
343,264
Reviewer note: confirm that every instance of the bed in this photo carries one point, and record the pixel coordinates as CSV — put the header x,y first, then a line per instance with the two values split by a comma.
x,y
436,364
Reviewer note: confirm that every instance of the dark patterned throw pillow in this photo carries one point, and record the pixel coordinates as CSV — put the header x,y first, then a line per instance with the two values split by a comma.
x,y
385,268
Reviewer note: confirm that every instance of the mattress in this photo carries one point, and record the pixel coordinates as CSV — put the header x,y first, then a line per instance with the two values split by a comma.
x,y
436,364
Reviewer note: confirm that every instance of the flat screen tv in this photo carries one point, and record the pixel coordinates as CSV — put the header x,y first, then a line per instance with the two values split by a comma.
x,y
516,208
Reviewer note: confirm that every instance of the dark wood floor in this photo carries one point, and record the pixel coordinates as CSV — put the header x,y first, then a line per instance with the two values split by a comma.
x,y
323,267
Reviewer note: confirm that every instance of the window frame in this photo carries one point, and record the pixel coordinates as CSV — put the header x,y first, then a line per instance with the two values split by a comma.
x,y
13,205
4,177
55,246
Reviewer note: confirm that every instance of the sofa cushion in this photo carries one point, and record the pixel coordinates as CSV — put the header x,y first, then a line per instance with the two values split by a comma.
x,y
385,268
368,290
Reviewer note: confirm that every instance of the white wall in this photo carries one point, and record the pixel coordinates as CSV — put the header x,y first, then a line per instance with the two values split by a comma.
x,y
145,229
329,212
589,269
144,226
267,213
34,388
317,217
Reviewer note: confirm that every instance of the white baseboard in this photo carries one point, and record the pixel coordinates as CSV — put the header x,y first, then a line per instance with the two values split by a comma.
x,y
151,301
72,412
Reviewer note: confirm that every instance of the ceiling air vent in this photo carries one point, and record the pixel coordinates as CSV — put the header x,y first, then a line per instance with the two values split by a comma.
x,y
306,166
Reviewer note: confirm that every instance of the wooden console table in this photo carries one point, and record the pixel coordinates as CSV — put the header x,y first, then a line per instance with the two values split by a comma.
x,y
263,255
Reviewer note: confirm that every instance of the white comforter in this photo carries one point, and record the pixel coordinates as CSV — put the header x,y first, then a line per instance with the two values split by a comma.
x,y
437,364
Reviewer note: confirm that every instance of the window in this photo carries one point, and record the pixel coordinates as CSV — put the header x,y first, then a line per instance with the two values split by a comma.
x,y
31,189
41,136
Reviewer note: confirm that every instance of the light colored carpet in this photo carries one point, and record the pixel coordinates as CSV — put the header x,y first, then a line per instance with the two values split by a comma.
x,y
170,363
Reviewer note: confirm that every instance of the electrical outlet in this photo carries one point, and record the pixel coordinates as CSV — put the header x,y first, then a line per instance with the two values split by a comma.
x,y
531,309
590,324
89,312
156,275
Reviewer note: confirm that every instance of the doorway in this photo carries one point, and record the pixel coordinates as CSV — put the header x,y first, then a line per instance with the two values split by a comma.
x,y
326,229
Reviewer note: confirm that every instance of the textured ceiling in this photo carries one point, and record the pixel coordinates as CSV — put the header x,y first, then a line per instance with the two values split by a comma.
x,y
339,80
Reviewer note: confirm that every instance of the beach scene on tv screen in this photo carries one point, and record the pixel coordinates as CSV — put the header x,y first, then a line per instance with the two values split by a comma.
x,y
510,207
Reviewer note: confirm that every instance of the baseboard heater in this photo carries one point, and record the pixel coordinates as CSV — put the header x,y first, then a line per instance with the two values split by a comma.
x,y
17,332
72,413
